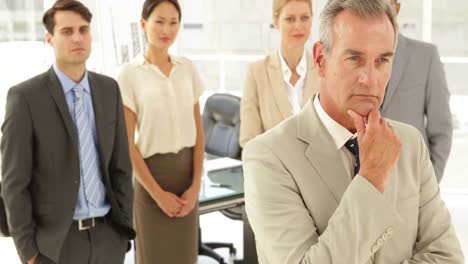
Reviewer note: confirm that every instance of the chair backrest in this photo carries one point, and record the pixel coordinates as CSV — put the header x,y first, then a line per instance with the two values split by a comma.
x,y
221,124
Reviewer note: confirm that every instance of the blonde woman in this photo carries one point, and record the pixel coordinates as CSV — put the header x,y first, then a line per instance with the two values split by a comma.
x,y
160,93
279,85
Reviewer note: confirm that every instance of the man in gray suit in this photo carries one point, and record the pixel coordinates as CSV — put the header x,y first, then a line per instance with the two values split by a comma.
x,y
337,183
66,168
417,94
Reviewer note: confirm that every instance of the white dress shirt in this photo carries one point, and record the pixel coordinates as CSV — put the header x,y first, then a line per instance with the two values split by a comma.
x,y
339,134
295,92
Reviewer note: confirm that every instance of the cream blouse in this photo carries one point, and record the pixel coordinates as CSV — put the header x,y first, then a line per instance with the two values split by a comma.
x,y
164,106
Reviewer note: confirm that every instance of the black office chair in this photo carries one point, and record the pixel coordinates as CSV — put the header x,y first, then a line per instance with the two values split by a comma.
x,y
221,125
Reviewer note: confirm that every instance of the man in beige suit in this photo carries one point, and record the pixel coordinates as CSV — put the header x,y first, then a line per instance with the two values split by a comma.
x,y
337,183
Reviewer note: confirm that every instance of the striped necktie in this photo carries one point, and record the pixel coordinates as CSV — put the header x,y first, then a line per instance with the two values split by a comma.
x,y
94,191
353,147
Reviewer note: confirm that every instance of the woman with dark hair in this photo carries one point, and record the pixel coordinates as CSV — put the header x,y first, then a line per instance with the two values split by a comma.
x,y
160,93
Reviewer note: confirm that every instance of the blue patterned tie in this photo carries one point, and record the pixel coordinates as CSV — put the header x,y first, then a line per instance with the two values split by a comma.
x,y
353,147
94,191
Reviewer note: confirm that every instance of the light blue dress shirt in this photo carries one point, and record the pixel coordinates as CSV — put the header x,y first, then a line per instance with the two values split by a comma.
x,y
83,209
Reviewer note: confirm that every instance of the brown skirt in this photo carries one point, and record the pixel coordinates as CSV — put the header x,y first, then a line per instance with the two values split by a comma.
x,y
161,239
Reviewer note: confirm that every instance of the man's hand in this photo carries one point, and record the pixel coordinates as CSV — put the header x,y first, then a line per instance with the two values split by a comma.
x,y
379,148
191,198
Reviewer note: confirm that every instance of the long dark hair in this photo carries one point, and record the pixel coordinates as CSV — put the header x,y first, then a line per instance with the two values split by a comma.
x,y
150,5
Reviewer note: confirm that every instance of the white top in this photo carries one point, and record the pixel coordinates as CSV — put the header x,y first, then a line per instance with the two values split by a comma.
x,y
295,92
164,106
339,134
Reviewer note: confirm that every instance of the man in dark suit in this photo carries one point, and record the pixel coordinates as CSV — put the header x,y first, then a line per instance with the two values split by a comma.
x,y
417,94
66,169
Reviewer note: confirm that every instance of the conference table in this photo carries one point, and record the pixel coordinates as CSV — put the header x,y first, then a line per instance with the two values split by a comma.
x,y
221,189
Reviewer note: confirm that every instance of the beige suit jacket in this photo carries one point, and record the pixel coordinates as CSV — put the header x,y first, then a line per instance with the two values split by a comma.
x,y
304,208
264,102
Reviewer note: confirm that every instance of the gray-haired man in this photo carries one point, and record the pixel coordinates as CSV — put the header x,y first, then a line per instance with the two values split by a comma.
x,y
337,183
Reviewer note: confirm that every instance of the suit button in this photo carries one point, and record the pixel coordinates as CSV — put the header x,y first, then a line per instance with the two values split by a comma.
x,y
385,236
390,230
380,242
374,248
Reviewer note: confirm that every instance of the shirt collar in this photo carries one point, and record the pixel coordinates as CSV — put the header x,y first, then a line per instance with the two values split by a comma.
x,y
301,68
141,60
339,133
68,84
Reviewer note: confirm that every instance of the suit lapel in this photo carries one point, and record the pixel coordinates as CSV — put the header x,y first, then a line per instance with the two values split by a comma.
x,y
97,96
321,152
311,81
399,65
275,76
56,91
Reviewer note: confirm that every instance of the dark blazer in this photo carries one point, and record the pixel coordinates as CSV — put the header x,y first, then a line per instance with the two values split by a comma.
x,y
40,162
417,94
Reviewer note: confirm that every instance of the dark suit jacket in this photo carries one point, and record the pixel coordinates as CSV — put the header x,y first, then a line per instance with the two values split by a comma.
x,y
40,162
417,94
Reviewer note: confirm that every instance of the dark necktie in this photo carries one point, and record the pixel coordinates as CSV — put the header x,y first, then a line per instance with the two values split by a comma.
x,y
353,147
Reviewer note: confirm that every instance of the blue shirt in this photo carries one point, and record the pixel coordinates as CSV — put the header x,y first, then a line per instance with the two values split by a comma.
x,y
83,209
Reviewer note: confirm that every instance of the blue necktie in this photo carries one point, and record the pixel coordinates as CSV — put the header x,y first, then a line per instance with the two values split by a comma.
x,y
94,191
353,147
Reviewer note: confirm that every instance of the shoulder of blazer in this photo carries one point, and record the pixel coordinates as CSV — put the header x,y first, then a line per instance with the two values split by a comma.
x,y
417,46
273,60
284,131
31,85
101,77
259,70
408,134
104,82
402,129
262,65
